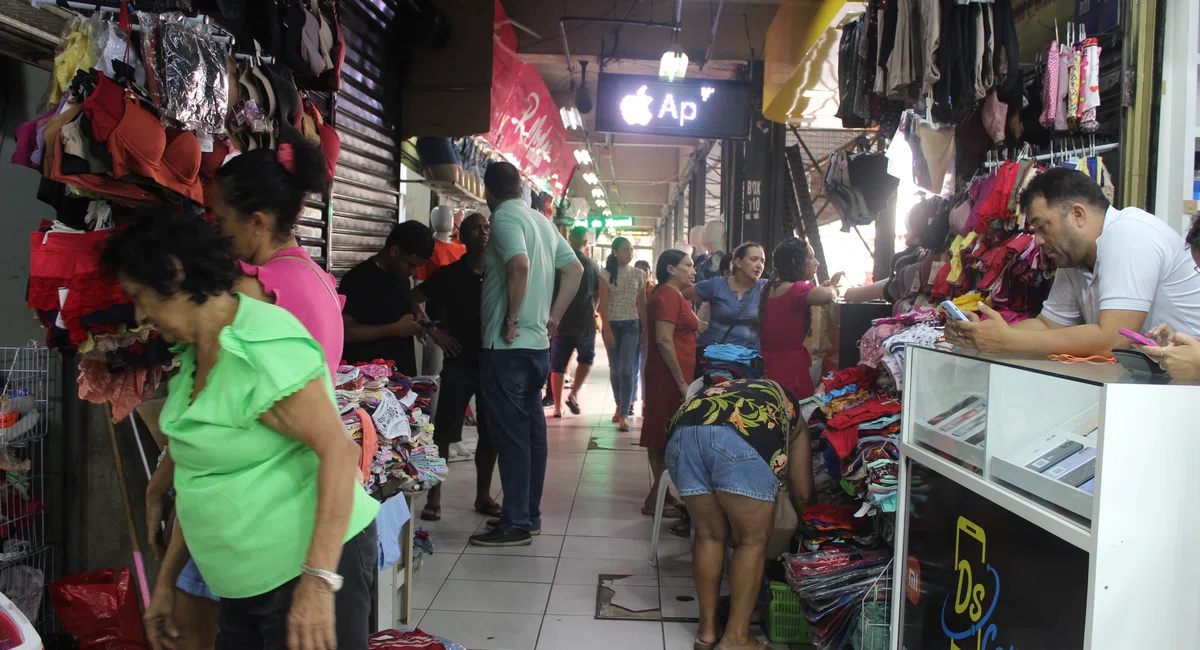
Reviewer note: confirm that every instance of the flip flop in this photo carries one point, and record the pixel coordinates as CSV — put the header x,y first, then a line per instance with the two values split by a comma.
x,y
491,510
700,645
670,511
431,513
573,405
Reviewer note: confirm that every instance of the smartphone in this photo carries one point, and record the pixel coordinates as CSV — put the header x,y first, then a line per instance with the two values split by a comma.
x,y
937,419
1054,456
1135,337
1072,463
1081,474
952,311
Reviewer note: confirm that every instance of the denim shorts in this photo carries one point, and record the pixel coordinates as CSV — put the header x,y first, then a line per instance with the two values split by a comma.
x,y
707,459
191,582
563,345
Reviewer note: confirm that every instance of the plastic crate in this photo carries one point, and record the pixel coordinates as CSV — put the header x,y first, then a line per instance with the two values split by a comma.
x,y
785,621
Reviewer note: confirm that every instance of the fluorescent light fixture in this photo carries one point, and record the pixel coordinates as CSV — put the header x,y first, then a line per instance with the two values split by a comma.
x,y
673,65
570,118
597,193
601,203
582,156
607,212
591,178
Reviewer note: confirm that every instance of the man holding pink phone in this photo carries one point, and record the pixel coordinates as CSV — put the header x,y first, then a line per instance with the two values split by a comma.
x,y
1118,271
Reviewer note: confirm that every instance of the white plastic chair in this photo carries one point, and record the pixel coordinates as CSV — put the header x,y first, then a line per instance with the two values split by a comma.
x,y
659,503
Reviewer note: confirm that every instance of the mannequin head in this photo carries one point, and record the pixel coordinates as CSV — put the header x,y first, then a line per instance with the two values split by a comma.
x,y
441,219
696,239
714,236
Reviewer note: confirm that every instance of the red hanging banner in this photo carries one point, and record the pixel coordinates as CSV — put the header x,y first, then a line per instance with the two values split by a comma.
x,y
526,127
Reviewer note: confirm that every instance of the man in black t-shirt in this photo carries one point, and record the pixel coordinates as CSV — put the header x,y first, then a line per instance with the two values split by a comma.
x,y
378,316
577,331
453,297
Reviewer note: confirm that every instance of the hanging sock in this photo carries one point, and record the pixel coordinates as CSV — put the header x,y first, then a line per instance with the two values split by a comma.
x,y
1065,57
1090,93
1074,87
1050,87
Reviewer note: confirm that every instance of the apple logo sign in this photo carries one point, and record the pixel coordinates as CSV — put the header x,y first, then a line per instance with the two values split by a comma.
x,y
636,108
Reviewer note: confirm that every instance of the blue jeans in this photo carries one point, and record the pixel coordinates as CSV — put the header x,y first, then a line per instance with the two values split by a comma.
x,y
622,361
512,381
716,458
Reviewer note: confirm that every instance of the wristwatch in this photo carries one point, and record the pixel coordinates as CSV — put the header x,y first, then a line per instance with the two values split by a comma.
x,y
510,322
331,579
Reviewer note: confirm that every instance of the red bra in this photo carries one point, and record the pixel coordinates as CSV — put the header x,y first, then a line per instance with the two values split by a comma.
x,y
140,145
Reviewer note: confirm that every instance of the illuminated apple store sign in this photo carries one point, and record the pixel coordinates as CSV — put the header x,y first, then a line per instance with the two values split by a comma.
x,y
694,108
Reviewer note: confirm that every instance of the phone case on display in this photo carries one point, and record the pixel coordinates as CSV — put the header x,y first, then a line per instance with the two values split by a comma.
x,y
1139,363
1072,463
950,412
1089,486
1081,474
1052,457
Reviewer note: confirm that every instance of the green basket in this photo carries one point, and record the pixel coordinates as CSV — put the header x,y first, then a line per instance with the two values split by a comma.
x,y
785,621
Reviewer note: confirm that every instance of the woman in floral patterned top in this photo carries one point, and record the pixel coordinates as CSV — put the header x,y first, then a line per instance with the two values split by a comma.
x,y
730,446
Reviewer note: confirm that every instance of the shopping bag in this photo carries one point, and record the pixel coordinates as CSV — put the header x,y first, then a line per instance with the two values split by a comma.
x,y
823,341
786,523
100,608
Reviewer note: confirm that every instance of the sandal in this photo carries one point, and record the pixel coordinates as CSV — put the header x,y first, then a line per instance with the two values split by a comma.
x,y
573,405
670,511
492,510
431,513
700,645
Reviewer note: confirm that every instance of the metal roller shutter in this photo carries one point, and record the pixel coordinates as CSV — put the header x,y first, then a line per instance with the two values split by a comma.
x,y
365,197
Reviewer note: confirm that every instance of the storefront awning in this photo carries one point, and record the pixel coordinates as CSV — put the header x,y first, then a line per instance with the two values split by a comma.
x,y
799,42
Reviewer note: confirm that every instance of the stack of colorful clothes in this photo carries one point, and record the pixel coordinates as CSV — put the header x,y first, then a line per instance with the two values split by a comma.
x,y
382,410
825,527
833,586
725,362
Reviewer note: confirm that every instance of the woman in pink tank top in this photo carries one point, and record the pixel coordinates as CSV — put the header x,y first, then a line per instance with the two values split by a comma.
x,y
257,198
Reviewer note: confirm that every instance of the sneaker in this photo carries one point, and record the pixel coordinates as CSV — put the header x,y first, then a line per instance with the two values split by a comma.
x,y
498,537
494,524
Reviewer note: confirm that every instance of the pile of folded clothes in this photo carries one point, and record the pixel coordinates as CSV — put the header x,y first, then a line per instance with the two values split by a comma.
x,y
826,526
726,362
382,411
836,589
409,640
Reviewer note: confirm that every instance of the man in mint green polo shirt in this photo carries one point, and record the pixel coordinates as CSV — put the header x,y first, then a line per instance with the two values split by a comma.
x,y
520,312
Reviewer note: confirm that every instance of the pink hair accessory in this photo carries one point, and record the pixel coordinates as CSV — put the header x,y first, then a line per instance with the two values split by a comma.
x,y
287,157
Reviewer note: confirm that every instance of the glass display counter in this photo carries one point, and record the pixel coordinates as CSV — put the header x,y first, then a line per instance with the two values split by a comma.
x,y
1054,480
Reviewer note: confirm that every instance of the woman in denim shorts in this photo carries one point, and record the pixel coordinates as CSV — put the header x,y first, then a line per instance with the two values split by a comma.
x,y
730,446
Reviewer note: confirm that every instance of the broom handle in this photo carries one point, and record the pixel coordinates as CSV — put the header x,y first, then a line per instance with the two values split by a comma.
x,y
133,536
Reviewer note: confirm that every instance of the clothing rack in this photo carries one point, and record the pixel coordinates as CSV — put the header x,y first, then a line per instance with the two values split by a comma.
x,y
1065,153
83,6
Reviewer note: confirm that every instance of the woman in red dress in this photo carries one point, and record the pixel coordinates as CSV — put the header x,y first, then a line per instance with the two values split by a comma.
x,y
790,298
672,327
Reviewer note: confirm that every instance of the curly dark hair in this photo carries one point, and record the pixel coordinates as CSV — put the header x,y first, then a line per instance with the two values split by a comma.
x,y
151,250
255,181
1193,235
787,265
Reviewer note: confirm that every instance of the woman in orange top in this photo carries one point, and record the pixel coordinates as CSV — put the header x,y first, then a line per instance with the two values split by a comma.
x,y
672,326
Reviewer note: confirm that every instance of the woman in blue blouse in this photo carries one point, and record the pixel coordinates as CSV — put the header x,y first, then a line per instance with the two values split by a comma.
x,y
733,301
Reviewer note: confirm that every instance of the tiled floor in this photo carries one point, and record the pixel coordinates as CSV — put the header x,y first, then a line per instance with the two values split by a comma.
x,y
542,597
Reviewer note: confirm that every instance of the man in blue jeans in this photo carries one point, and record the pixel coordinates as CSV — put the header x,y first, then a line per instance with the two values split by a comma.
x,y
520,312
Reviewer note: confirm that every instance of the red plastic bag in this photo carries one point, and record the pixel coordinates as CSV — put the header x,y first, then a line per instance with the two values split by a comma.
x,y
101,609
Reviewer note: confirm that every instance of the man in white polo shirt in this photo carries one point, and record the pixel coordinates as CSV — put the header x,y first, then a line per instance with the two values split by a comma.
x,y
1116,269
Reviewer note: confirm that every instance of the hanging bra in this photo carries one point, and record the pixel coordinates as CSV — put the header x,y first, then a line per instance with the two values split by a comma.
x,y
141,146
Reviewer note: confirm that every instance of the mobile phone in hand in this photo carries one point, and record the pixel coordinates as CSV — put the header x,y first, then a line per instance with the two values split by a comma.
x,y
952,311
1135,337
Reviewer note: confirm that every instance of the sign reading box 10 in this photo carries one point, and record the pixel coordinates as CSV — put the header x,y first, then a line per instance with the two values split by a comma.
x,y
693,108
